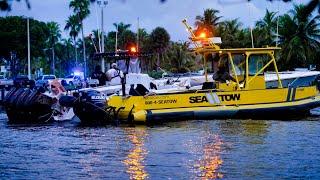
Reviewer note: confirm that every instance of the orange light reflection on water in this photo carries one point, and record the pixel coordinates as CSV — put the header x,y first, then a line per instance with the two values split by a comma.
x,y
207,166
135,159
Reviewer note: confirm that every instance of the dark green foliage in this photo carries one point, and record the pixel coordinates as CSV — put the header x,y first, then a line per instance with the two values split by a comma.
x,y
13,35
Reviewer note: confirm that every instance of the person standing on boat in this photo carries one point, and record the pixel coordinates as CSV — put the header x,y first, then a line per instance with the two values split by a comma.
x,y
114,74
98,74
222,75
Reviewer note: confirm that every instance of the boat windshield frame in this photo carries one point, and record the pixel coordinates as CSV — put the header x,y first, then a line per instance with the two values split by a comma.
x,y
249,78
206,46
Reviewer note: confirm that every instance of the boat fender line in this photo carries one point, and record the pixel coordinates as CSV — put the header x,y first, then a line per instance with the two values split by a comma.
x,y
15,96
130,117
117,113
20,101
111,115
9,94
29,102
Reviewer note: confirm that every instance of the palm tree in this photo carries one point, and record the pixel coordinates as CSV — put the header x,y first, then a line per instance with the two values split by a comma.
x,y
55,35
180,58
143,37
81,10
267,27
229,31
299,34
74,27
159,42
124,34
208,22
121,27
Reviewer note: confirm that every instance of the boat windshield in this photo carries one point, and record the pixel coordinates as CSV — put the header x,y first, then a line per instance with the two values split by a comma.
x,y
239,62
257,62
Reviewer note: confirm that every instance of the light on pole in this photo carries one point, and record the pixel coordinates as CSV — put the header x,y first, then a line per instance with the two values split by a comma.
x,y
102,4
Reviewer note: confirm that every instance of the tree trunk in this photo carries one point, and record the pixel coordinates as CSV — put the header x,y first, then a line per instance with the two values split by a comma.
x,y
75,50
53,70
158,61
84,51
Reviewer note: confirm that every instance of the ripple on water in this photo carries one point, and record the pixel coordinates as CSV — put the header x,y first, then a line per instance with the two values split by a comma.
x,y
229,149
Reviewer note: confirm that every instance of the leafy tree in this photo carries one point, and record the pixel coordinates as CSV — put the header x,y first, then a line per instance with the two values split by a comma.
x,y
208,22
96,41
54,36
267,28
299,35
13,37
124,35
159,42
230,32
74,27
81,10
180,59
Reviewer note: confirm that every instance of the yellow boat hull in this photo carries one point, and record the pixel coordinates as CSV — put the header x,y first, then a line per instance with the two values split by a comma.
x,y
262,104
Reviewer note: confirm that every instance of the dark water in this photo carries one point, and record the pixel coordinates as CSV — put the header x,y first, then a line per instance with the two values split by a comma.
x,y
229,149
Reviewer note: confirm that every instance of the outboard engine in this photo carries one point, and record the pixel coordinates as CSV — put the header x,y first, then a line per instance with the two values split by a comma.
x,y
90,107
25,105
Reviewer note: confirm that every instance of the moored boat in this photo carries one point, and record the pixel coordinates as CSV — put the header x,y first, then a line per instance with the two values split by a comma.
x,y
35,105
238,92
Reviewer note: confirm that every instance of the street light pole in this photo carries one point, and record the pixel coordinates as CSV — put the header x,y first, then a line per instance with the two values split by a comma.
x,y
29,61
102,4
116,45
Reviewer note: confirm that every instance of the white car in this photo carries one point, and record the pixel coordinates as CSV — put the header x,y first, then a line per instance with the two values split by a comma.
x,y
45,80
5,83
73,80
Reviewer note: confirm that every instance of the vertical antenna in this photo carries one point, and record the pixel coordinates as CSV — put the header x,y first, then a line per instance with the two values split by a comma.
x,y
97,21
277,40
138,35
251,33
116,45
29,63
102,4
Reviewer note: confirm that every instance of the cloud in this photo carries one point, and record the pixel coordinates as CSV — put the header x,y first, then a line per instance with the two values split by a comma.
x,y
150,12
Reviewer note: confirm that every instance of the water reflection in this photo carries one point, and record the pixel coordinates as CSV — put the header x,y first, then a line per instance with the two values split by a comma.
x,y
135,159
253,129
89,155
256,127
207,167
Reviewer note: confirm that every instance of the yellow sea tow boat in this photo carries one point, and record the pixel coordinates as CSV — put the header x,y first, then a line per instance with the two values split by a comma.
x,y
239,92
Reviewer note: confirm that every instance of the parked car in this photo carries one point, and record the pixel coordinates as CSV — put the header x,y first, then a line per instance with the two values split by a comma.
x,y
5,83
74,80
45,80
23,81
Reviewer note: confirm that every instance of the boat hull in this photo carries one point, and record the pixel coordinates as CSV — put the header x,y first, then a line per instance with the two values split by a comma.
x,y
284,111
91,113
280,103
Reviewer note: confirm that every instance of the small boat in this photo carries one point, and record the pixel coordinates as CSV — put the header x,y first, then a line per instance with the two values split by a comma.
x,y
239,91
35,105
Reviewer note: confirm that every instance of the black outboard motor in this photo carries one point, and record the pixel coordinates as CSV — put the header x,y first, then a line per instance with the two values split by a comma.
x,y
90,107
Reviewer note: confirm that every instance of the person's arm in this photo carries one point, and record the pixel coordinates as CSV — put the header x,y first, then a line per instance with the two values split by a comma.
x,y
231,78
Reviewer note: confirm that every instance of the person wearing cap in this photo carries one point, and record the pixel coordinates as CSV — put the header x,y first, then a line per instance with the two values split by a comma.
x,y
113,72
